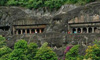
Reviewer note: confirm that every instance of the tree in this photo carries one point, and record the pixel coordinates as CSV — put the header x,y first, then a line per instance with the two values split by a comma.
x,y
31,51
93,52
45,4
4,53
72,54
21,44
3,2
17,2
19,51
17,54
2,41
45,53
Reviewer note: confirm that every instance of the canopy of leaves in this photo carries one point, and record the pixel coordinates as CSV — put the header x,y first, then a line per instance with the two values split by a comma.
x,y
4,50
72,54
31,51
45,53
4,53
17,54
2,41
21,44
93,52
45,4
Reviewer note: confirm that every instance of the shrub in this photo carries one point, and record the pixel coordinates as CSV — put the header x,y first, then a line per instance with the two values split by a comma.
x,y
72,54
2,41
4,53
45,4
93,52
17,54
31,51
3,2
21,44
19,51
4,50
45,53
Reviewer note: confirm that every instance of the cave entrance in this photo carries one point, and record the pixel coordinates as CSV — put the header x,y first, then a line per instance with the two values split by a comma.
x,y
90,30
5,28
28,29
73,30
84,30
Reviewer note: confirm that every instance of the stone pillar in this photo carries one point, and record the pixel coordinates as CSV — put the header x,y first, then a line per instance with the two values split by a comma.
x,y
87,29
92,29
21,31
81,30
25,31
76,30
40,31
13,30
71,30
30,31
16,32
35,30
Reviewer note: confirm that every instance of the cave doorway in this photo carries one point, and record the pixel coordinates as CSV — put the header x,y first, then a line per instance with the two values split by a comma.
x,y
90,30
5,28
84,30
74,30
19,31
79,30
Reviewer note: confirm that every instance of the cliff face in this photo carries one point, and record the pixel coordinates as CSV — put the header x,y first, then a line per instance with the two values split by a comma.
x,y
56,22
11,15
60,22
15,15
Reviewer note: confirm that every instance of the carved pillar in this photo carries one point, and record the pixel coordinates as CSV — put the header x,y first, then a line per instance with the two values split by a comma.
x,y
92,29
71,30
87,29
16,32
30,31
81,30
40,31
13,30
35,30
25,31
21,31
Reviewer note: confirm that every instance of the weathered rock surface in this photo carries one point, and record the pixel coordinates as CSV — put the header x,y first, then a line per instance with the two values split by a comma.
x,y
57,25
60,22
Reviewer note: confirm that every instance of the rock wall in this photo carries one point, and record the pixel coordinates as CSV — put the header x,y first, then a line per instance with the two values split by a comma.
x,y
57,25
54,39
60,22
57,40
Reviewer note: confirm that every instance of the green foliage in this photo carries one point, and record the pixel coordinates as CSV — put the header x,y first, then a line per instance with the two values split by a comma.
x,y
93,52
17,54
45,53
21,44
72,54
3,2
2,41
19,51
4,50
4,57
72,1
45,4
4,53
17,2
31,51
82,2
